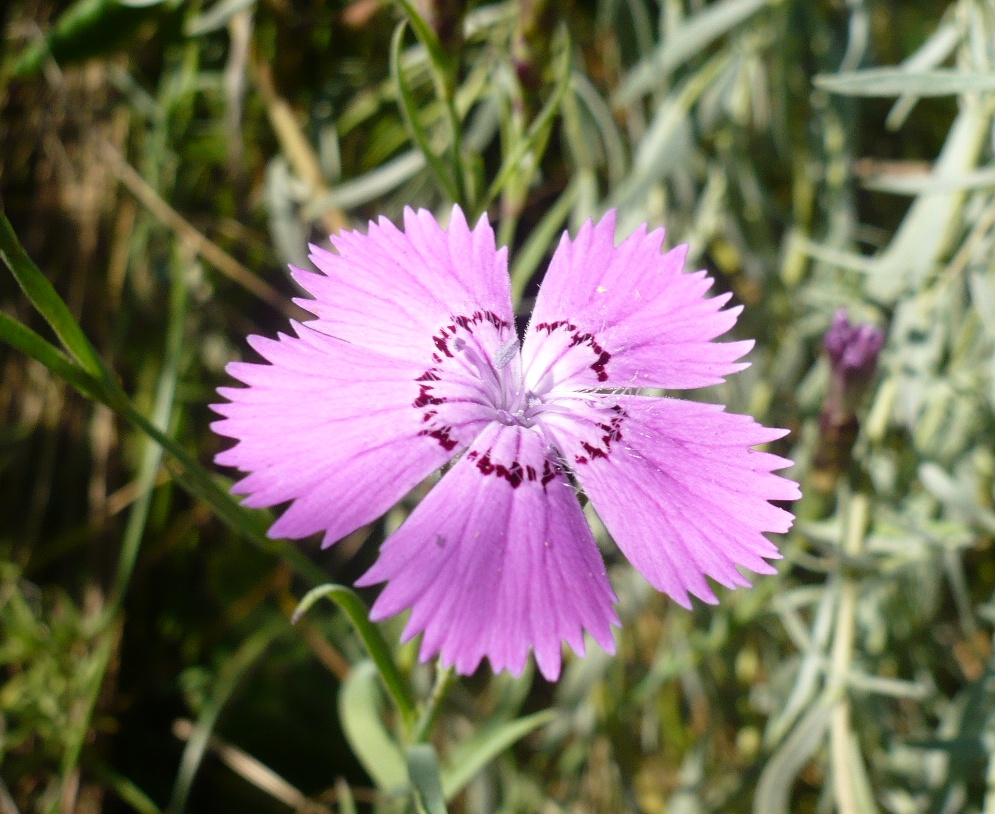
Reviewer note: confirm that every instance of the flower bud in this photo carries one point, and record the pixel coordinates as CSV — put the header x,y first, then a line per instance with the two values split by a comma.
x,y
853,352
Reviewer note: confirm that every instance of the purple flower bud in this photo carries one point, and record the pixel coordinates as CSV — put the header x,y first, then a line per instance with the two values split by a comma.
x,y
853,349
853,352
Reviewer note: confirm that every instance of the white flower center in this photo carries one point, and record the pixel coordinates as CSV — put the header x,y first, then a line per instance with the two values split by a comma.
x,y
470,385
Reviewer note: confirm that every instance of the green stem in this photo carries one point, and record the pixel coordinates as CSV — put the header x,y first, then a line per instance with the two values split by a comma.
x,y
856,518
444,679
152,454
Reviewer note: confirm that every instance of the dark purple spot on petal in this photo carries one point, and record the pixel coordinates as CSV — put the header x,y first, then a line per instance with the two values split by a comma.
x,y
612,432
425,397
601,356
446,441
440,343
485,465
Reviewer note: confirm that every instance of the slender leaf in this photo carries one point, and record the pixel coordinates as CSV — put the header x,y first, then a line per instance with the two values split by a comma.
x,y
196,480
690,39
471,757
47,301
360,710
363,189
151,460
928,226
538,130
778,776
233,671
354,607
124,788
423,771
887,82
936,50
931,183
540,241
31,344
443,66
411,115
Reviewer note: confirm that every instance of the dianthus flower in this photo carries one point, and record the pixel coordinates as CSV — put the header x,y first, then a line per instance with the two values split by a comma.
x,y
413,362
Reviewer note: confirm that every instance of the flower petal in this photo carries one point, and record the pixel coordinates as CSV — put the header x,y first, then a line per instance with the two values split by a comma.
x,y
680,489
497,559
333,428
391,290
626,316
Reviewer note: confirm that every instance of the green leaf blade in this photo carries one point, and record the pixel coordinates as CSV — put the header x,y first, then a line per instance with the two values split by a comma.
x,y
359,615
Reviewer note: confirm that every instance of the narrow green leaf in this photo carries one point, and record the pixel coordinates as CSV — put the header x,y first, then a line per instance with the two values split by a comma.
x,y
443,65
661,149
31,344
47,301
343,797
360,713
151,459
423,771
858,778
354,607
228,679
196,480
216,17
929,225
690,39
931,183
933,52
887,82
444,679
540,241
425,34
86,29
779,775
605,124
364,188
472,756
410,113
538,131
124,788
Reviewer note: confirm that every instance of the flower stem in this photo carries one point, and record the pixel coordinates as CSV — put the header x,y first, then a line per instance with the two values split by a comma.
x,y
444,679
855,524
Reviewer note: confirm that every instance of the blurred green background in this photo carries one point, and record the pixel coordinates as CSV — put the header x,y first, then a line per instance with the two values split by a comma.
x,y
162,161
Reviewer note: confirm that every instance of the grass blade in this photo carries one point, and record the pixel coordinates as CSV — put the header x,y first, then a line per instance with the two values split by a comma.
x,y
688,40
409,111
359,711
22,338
888,82
538,130
423,770
228,679
444,66
484,747
47,301
354,607
539,242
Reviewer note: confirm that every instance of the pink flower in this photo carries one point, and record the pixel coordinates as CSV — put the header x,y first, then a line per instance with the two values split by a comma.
x,y
414,362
